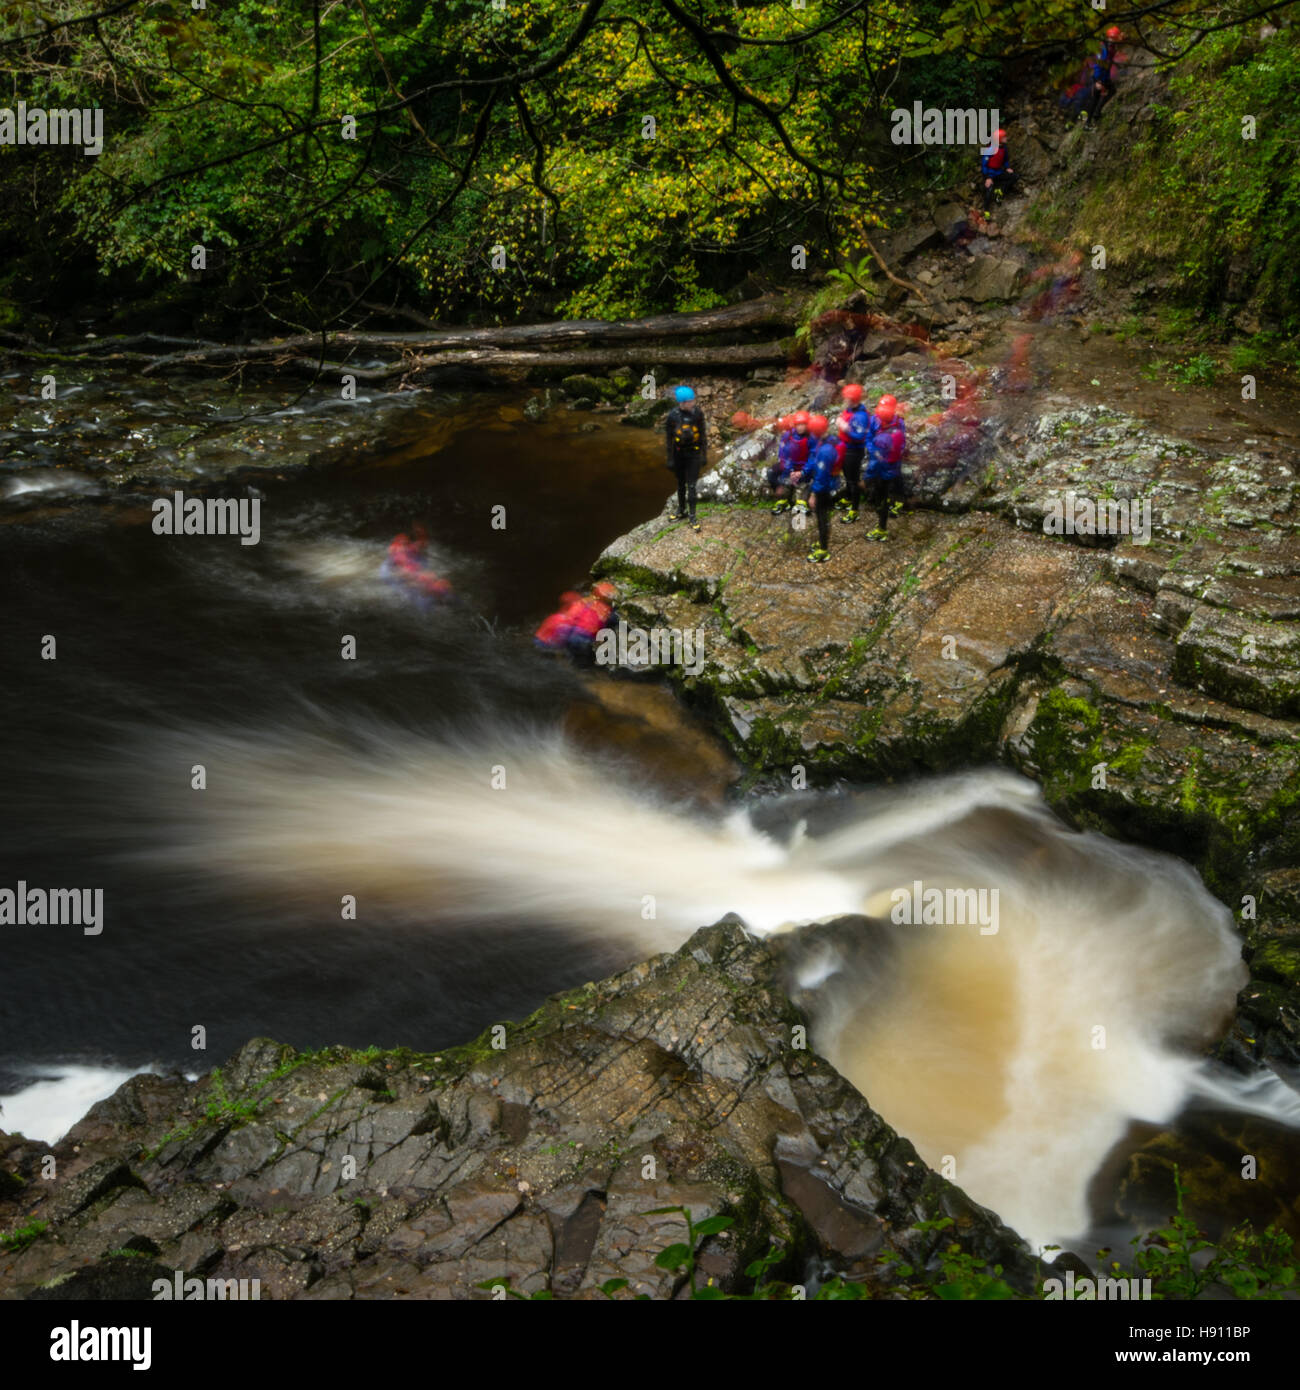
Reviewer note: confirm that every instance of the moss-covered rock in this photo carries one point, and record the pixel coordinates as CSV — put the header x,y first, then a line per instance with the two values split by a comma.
x,y
542,1153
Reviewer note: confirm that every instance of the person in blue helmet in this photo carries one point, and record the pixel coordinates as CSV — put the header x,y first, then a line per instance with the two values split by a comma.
x,y
684,433
822,476
885,465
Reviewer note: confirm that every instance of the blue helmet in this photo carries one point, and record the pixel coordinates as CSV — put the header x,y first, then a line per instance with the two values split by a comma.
x,y
684,394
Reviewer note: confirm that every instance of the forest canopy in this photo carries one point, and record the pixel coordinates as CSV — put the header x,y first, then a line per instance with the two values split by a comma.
x,y
498,157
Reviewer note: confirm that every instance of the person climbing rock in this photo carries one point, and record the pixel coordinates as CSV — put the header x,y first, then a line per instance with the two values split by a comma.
x,y
687,450
855,432
885,468
792,458
821,490
1101,77
999,176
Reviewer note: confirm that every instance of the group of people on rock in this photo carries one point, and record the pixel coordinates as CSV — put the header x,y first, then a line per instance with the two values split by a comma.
x,y
818,470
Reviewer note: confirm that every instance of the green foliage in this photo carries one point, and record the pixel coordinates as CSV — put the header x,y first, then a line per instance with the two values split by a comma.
x,y
1177,1258
1235,201
616,185
1198,370
1182,1263
683,1257
840,286
220,1105
965,1277
17,1241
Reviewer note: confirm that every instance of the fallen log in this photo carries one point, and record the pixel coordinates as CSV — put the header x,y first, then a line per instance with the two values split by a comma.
x,y
505,367
747,318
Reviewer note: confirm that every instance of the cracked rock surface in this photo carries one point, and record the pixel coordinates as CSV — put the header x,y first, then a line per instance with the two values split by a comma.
x,y
678,1083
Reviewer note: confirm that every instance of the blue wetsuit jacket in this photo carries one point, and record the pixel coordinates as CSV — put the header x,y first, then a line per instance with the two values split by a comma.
x,y
888,445
823,469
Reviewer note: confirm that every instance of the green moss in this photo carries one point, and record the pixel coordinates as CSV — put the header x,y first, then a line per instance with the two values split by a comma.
x,y
1277,959
1128,761
19,1240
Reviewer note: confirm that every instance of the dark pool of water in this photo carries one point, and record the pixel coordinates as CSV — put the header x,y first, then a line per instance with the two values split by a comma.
x,y
158,633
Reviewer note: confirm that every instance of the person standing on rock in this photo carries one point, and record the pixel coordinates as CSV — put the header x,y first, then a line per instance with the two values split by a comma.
x,y
687,450
999,176
885,469
821,490
855,431
817,427
792,458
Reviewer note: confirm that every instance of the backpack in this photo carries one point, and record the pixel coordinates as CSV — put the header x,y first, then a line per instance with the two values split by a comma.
x,y
890,442
687,437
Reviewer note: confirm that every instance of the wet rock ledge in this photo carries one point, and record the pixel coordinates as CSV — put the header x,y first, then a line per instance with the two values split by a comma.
x,y
1152,689
342,1174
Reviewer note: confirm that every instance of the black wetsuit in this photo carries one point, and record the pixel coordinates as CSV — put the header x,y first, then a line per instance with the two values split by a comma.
x,y
684,433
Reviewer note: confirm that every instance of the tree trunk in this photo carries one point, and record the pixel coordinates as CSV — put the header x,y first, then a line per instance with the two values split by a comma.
x,y
558,340
499,367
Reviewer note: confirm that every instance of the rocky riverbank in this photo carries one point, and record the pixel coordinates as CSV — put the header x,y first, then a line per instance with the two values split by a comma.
x,y
1151,684
540,1155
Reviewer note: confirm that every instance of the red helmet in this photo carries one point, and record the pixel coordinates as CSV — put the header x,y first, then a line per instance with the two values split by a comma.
x,y
786,422
1002,137
852,393
605,590
818,424
801,417
886,406
1114,32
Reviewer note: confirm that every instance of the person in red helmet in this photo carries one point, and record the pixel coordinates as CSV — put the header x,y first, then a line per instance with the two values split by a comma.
x,y
1101,77
817,427
575,625
855,431
406,568
999,177
885,487
793,453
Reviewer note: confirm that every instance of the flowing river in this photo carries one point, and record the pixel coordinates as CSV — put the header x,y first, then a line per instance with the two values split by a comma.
x,y
502,821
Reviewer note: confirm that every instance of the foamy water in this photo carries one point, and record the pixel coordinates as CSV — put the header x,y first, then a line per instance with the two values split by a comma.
x,y
58,1097
1013,1059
